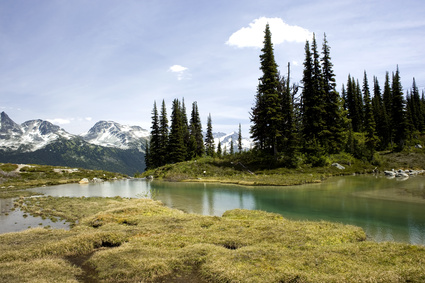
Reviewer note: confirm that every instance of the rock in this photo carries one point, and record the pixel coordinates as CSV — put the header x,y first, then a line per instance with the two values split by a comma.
x,y
339,166
390,173
401,175
84,181
418,146
150,177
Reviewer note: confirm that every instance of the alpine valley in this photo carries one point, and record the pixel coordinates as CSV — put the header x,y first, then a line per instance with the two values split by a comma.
x,y
106,146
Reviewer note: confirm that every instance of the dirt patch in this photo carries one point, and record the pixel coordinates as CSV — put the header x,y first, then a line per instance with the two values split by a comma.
x,y
89,274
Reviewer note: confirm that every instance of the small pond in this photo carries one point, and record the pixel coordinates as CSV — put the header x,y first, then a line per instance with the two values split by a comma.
x,y
387,209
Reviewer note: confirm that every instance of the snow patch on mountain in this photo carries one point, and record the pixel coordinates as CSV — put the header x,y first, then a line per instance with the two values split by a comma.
x,y
113,134
29,136
226,139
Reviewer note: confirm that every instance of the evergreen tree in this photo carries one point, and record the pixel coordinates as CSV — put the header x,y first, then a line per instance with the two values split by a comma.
x,y
232,149
185,129
417,109
266,114
359,106
209,139
398,117
219,152
176,145
334,118
196,147
154,146
369,124
313,99
381,118
240,139
147,156
387,97
350,103
344,97
410,120
163,133
288,139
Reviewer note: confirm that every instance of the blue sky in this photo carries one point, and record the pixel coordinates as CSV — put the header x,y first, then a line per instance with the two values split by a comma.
x,y
77,62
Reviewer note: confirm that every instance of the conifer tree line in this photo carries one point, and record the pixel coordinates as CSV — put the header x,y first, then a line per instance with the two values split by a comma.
x,y
182,139
319,121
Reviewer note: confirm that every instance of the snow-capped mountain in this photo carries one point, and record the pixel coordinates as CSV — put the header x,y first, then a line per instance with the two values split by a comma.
x,y
29,136
112,134
36,134
107,146
226,139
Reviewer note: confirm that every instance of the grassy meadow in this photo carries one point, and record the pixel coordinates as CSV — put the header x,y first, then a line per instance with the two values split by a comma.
x,y
243,169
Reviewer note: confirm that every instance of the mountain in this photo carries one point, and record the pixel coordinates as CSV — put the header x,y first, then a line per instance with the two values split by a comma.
x,y
112,134
226,139
29,136
107,145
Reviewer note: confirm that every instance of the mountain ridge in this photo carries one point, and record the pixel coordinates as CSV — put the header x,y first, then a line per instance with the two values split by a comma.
x,y
41,142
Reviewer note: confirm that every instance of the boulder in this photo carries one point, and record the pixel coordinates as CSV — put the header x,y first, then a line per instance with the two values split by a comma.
x,y
339,166
84,181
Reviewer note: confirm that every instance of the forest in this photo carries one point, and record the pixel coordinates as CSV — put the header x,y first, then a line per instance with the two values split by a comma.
x,y
301,123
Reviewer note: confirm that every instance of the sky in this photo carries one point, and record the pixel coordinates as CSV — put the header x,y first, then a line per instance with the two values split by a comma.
x,y
77,62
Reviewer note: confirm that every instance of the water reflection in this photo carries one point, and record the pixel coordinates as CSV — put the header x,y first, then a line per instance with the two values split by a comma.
x,y
15,220
386,209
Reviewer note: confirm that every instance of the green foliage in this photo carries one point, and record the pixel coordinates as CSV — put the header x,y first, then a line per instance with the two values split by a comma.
x,y
176,145
209,139
8,167
398,116
266,114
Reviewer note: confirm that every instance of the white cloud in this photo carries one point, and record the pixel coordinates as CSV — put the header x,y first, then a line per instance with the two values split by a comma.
x,y
253,36
88,119
59,121
179,70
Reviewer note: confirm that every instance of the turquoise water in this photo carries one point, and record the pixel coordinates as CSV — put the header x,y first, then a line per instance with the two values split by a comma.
x,y
387,209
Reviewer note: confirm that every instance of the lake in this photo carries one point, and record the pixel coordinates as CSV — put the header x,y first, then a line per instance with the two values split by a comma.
x,y
387,209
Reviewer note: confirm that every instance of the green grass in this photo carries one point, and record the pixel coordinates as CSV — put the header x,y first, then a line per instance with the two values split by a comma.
x,y
140,240
245,170
13,184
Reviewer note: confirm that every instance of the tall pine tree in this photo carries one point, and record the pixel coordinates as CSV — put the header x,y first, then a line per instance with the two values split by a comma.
x,y
369,120
154,146
209,138
398,117
288,139
196,138
266,114
382,123
163,133
240,139
313,100
176,144
334,118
